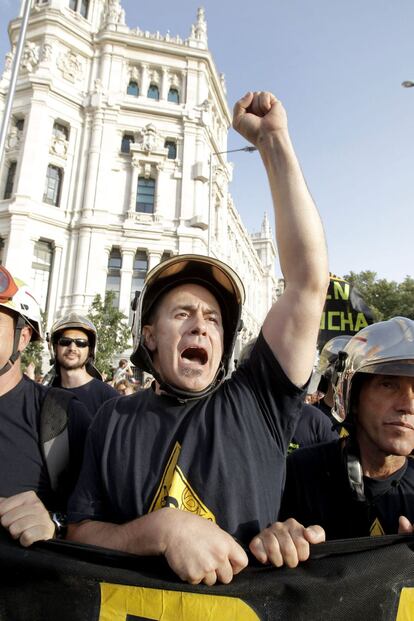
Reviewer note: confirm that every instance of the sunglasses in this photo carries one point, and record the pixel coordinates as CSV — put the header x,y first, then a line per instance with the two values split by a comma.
x,y
65,341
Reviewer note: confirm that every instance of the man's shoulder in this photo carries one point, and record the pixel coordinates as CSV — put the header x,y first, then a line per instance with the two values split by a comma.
x,y
103,388
325,452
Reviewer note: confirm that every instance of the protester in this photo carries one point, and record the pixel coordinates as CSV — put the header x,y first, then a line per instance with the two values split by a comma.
x,y
214,449
124,387
123,371
73,342
363,484
324,376
26,494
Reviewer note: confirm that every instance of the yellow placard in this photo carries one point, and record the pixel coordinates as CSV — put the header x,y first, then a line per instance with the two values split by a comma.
x,y
406,605
128,603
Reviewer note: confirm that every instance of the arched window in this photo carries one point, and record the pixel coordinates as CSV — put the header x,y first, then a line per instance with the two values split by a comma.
x,y
126,142
53,185
80,6
11,174
145,195
173,96
113,278
133,88
153,92
60,130
171,145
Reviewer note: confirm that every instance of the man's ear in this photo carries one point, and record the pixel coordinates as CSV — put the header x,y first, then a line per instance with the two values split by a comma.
x,y
25,336
149,338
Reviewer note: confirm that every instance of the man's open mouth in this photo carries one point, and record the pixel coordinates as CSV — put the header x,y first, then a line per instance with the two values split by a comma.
x,y
195,354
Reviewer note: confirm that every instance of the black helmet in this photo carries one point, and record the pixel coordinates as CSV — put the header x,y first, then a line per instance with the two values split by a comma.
x,y
207,272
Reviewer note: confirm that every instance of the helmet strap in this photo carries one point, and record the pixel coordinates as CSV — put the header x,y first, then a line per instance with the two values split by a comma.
x,y
15,353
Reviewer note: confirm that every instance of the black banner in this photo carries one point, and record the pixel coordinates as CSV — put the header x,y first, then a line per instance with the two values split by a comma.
x,y
367,579
345,312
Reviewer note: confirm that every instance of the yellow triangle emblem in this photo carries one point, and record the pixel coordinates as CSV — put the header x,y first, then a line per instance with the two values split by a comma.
x,y
376,529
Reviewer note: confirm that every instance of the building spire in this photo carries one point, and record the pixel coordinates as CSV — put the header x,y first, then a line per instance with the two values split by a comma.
x,y
199,29
266,230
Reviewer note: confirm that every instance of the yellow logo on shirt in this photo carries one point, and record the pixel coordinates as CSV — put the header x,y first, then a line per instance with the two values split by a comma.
x,y
376,529
175,491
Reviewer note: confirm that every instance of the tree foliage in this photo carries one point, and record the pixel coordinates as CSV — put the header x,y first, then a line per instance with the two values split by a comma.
x,y
112,328
34,351
386,298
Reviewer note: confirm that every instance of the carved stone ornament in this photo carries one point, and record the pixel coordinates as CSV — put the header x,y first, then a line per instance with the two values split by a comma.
x,y
13,139
59,146
150,139
47,52
114,13
30,57
71,66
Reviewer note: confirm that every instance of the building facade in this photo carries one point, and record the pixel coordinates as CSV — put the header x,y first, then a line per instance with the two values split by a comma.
x,y
114,161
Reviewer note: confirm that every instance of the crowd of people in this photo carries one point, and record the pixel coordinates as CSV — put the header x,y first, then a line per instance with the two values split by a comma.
x,y
201,464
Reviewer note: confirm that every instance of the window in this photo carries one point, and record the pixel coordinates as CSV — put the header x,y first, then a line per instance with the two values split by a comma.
x,y
53,185
133,88
60,131
19,124
113,278
1,250
145,195
80,6
126,143
139,272
41,270
11,173
171,145
173,96
153,92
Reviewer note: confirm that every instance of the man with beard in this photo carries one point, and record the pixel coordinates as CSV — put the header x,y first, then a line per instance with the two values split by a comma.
x,y
73,346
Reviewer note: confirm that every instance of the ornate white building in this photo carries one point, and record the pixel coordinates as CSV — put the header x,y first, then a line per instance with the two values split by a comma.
x,y
114,160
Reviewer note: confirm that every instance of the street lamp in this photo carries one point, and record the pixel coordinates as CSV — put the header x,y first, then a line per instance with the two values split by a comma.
x,y
407,84
247,149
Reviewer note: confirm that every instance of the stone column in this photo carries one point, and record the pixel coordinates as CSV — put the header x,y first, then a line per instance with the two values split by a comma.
x,y
153,259
56,277
126,280
91,179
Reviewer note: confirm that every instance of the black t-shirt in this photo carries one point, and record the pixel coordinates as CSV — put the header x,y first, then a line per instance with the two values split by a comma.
x,y
93,394
23,465
317,491
221,457
313,428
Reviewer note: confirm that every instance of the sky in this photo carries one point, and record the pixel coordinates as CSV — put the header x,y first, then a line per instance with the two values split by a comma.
x,y
337,67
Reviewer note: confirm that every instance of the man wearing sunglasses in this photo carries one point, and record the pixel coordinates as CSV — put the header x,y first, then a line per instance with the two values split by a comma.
x,y
73,346
29,501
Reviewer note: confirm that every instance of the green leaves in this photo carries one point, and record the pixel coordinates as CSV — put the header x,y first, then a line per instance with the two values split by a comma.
x,y
386,298
114,334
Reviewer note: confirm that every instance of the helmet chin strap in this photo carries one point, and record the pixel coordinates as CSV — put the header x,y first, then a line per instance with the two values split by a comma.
x,y
15,353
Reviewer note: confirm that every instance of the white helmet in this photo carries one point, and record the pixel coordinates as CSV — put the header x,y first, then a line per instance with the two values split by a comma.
x,y
384,348
17,297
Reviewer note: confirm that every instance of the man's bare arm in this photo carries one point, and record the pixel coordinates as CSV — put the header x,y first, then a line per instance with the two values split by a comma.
x,y
196,549
292,325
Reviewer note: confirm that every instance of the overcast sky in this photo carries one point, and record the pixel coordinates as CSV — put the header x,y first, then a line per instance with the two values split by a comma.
x,y
337,66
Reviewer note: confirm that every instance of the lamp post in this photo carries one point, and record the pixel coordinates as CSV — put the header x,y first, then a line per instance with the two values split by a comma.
x,y
13,79
246,149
